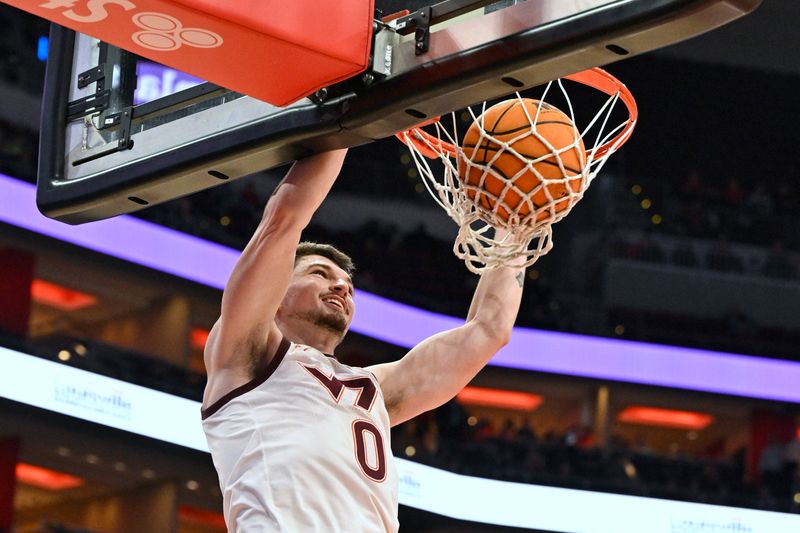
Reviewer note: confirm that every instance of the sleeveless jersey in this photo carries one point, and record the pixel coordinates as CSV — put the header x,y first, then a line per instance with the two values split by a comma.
x,y
304,447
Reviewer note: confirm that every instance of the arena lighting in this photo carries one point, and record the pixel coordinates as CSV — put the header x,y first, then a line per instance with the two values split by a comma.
x,y
44,478
504,399
191,258
198,338
42,46
201,517
60,297
124,406
657,416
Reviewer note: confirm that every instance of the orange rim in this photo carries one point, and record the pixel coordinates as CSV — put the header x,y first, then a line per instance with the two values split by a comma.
x,y
428,144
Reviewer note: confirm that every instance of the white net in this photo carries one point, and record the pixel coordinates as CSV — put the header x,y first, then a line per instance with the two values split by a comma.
x,y
505,188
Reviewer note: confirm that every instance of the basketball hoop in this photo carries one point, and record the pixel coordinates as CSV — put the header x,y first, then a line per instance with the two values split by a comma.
x,y
526,233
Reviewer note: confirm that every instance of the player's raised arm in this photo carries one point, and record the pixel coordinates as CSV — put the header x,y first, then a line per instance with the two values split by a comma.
x,y
262,274
439,367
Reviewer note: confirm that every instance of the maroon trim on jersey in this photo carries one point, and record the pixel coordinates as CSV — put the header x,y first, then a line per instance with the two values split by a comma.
x,y
366,388
252,384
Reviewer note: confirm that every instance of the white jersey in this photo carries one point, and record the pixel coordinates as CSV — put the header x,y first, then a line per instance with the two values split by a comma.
x,y
304,447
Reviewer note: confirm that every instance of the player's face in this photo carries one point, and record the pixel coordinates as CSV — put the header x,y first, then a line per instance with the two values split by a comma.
x,y
322,293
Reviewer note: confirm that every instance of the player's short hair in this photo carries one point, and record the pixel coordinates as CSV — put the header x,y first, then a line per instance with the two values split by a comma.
x,y
341,259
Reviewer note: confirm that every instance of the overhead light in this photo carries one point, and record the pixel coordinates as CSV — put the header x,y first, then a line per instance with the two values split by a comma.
x,y
657,416
630,469
63,451
60,297
44,478
192,485
504,399
198,338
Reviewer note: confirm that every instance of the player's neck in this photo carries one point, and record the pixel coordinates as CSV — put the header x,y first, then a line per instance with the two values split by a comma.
x,y
301,332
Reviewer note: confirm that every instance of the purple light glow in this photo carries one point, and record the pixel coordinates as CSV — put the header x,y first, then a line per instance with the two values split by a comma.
x,y
155,81
210,264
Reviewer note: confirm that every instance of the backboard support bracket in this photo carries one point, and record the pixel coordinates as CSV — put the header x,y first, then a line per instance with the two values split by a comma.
x,y
123,143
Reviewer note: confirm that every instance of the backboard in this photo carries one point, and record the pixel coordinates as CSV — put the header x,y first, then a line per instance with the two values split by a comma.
x,y
106,150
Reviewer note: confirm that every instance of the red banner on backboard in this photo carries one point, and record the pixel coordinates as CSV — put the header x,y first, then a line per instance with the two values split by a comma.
x,y
275,50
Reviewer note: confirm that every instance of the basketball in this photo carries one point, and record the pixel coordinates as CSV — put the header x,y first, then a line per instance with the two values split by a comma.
x,y
498,174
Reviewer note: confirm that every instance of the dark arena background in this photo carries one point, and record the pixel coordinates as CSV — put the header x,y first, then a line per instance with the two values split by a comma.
x,y
661,352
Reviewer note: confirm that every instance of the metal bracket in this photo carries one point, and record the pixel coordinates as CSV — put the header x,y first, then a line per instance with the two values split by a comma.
x,y
90,76
420,20
123,143
94,103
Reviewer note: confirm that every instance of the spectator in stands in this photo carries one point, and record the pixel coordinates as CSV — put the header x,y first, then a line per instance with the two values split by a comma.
x,y
526,433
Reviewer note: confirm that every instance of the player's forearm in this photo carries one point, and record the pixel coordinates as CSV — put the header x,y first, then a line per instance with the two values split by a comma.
x,y
497,299
305,186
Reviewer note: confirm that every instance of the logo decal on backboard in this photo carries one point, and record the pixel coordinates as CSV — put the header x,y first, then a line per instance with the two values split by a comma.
x,y
159,31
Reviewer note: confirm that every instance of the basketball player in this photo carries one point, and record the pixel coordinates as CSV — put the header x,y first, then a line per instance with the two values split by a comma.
x,y
299,440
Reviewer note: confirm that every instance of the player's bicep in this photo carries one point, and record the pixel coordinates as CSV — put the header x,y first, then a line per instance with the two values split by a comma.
x,y
434,371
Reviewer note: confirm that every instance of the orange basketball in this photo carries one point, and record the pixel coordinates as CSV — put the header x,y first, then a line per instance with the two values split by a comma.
x,y
508,122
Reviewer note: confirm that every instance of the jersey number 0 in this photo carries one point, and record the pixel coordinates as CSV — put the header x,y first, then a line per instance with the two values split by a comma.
x,y
363,430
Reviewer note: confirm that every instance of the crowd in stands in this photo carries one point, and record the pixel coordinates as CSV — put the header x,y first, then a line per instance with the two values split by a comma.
x,y
718,255
723,215
761,211
733,332
449,438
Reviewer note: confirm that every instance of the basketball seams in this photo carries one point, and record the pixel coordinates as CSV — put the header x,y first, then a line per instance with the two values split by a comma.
x,y
496,122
